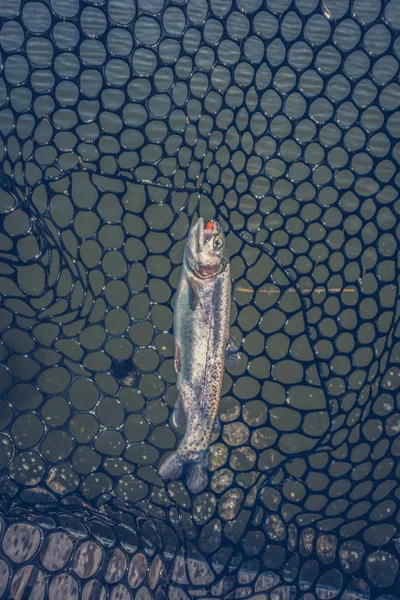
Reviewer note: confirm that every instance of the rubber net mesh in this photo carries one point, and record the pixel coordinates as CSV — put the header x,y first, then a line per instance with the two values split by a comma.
x,y
120,122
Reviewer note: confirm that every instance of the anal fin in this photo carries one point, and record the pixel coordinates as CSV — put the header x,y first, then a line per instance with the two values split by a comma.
x,y
179,414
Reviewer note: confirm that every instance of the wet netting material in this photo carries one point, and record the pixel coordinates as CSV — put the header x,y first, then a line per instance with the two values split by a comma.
x,y
120,122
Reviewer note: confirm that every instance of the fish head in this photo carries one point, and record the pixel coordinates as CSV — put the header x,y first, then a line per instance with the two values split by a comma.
x,y
205,248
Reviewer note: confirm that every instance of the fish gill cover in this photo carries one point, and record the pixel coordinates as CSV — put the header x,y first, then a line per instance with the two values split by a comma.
x,y
120,121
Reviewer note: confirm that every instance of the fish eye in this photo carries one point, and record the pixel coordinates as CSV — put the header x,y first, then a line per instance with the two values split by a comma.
x,y
218,242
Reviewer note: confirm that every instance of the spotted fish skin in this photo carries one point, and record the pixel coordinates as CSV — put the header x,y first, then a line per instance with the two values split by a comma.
x,y
201,327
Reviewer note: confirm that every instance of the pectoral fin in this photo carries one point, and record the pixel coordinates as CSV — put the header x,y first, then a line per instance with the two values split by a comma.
x,y
231,355
179,414
194,298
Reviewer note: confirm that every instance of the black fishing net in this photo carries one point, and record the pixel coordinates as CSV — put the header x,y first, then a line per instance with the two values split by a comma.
x,y
120,122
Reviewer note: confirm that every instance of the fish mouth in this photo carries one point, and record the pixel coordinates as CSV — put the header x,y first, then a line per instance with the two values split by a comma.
x,y
205,232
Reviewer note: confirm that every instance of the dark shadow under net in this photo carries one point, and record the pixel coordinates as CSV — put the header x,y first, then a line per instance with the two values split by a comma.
x,y
120,122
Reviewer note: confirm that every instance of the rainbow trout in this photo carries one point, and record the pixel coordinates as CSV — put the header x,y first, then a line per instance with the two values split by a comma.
x,y
201,328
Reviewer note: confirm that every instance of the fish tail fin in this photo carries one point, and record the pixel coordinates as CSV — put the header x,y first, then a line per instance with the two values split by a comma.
x,y
172,467
195,465
197,472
